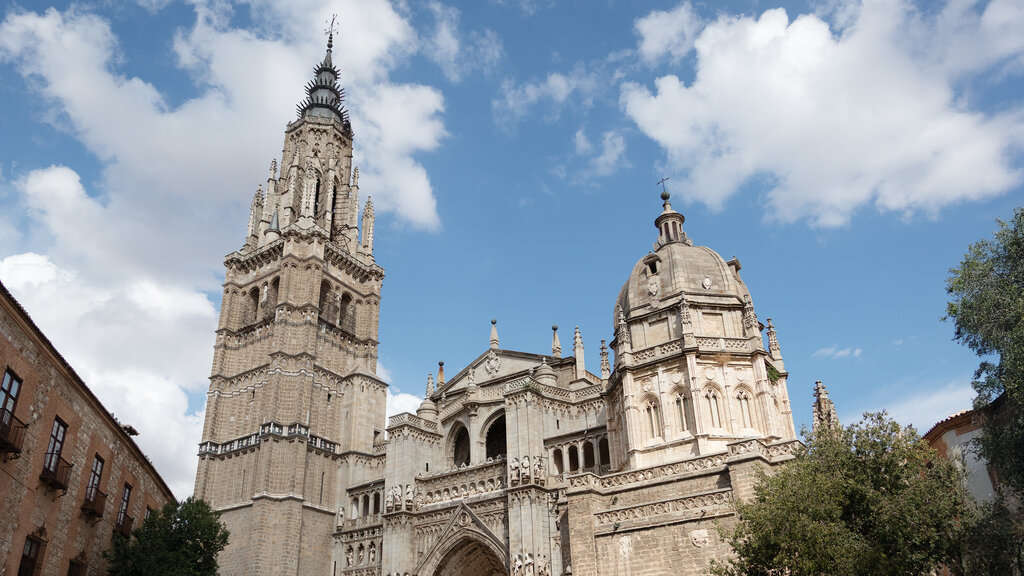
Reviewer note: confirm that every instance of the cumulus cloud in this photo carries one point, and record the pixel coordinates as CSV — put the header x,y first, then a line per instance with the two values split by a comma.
x,y
119,275
836,120
458,57
670,33
837,352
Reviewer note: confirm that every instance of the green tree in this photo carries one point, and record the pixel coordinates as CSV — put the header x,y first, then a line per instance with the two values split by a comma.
x,y
869,499
177,540
987,310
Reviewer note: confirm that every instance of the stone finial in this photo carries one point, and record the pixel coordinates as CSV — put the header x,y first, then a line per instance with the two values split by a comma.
x,y
430,385
749,317
355,176
577,352
273,168
606,369
440,374
824,411
773,341
623,334
556,346
494,334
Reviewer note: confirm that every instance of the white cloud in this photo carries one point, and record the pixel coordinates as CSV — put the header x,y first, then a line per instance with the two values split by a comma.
x,y
925,408
457,58
582,144
402,402
669,32
118,277
613,146
836,121
516,100
837,352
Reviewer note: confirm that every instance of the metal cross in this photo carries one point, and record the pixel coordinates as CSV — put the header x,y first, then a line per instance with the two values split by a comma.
x,y
329,31
662,182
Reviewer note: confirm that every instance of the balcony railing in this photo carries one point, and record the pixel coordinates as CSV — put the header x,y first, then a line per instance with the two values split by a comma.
x,y
95,501
57,474
12,432
124,525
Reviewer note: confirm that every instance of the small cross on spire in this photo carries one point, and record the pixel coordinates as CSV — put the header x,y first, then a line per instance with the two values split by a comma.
x,y
329,31
662,182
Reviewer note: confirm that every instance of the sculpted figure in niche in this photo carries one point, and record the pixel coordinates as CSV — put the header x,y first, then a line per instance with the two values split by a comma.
x,y
340,519
526,468
542,567
528,566
408,496
539,471
373,554
513,467
360,553
348,556
389,501
517,565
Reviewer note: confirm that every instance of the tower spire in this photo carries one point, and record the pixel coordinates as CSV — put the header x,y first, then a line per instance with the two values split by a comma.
x,y
323,95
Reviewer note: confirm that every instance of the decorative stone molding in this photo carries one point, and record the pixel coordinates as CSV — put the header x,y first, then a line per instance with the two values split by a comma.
x,y
719,499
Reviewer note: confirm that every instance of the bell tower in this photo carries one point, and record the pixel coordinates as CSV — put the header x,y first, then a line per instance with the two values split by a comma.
x,y
293,389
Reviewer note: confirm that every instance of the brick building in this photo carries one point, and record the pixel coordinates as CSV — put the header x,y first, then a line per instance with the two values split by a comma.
x,y
520,463
70,474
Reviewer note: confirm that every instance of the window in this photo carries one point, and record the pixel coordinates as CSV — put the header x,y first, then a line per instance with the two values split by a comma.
x,y
684,412
588,455
126,495
713,409
653,420
8,397
744,400
94,478
31,557
56,445
556,458
149,512
603,452
495,442
574,459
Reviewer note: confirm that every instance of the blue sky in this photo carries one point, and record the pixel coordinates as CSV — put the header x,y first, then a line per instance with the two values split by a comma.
x,y
846,152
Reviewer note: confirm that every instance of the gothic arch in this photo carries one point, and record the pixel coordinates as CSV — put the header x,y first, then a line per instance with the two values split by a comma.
x,y
495,436
746,410
458,445
712,405
466,542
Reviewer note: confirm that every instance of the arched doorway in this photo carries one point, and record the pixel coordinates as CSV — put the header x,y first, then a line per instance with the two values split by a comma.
x,y
470,558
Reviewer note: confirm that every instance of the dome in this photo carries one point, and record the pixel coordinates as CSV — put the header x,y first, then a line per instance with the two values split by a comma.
x,y
678,268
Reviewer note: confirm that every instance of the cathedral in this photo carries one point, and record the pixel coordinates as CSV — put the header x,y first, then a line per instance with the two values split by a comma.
x,y
519,463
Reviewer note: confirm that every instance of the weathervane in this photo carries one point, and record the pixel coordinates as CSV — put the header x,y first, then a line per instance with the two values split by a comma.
x,y
329,31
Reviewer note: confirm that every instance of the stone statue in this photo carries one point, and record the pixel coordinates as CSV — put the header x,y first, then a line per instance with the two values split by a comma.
x,y
528,566
513,468
517,565
542,567
525,463
408,496
360,554
348,556
389,501
373,554
539,471
340,519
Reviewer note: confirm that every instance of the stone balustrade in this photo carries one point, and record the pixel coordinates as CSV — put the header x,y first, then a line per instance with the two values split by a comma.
x,y
463,482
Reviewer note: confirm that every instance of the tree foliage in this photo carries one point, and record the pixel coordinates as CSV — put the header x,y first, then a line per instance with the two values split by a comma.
x,y
177,540
869,499
987,310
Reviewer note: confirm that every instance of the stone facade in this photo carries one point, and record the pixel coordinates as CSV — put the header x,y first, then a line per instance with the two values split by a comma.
x,y
60,501
521,463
